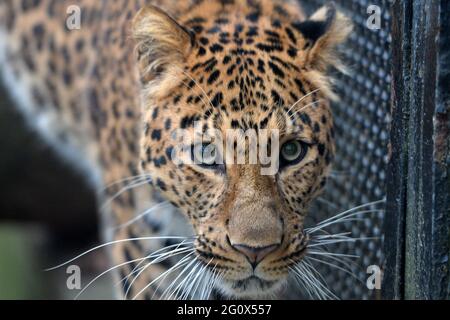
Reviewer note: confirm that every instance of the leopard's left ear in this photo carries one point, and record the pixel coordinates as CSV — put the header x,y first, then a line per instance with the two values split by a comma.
x,y
162,44
324,31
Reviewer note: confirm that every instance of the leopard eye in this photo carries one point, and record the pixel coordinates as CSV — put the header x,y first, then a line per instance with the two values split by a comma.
x,y
206,155
292,152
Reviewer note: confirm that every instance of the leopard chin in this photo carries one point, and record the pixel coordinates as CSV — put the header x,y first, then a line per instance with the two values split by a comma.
x,y
252,288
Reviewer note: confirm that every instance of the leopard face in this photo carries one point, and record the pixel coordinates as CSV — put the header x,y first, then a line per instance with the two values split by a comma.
x,y
259,68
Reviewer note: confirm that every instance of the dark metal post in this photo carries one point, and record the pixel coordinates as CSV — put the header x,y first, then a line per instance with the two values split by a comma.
x,y
417,229
394,230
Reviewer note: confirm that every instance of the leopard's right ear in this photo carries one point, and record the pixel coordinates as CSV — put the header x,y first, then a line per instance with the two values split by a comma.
x,y
325,30
162,44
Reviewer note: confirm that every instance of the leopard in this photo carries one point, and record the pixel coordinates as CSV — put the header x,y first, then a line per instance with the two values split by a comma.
x,y
118,93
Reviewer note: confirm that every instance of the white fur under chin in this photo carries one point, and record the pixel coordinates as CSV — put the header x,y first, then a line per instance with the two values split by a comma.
x,y
253,293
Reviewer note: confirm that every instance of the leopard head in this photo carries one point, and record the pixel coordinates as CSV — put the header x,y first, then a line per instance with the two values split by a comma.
x,y
245,71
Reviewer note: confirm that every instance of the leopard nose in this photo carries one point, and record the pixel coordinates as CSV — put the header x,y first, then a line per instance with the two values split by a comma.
x,y
255,254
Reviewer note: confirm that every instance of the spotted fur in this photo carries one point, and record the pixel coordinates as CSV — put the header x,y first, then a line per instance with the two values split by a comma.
x,y
110,96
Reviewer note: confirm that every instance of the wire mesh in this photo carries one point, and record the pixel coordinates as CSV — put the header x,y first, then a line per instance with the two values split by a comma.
x,y
361,121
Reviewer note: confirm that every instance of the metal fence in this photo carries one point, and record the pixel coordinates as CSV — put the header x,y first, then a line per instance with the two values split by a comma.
x,y
392,126
418,190
361,120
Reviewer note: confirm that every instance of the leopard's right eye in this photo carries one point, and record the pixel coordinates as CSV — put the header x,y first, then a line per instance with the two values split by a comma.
x,y
207,155
292,152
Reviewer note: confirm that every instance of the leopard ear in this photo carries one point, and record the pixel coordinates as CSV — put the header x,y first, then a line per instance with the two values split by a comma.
x,y
324,31
162,44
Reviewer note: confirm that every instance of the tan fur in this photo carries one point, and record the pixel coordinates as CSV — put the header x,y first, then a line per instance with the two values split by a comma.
x,y
324,52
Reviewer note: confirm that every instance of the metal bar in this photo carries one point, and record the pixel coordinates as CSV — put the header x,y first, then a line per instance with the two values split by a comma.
x,y
394,224
441,165
420,150
418,203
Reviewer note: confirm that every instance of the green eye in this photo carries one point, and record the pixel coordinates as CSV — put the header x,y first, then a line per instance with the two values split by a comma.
x,y
204,154
291,152
207,156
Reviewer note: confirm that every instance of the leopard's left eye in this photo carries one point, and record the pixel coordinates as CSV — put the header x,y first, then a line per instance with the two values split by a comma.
x,y
292,152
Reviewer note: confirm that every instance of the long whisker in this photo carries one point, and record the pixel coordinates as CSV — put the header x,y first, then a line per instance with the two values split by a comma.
x,y
115,242
181,263
328,203
349,211
327,294
322,284
218,276
105,272
333,254
302,98
311,267
140,216
132,178
328,242
157,253
211,283
180,274
347,218
185,280
168,255
316,286
203,280
196,279
135,184
334,266
304,107
342,235
347,262
185,293
302,282
196,83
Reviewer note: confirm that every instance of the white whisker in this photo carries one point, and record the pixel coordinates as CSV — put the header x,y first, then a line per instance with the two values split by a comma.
x,y
105,272
137,177
334,266
345,212
328,242
185,293
175,281
181,263
130,186
333,254
340,219
166,256
111,243
140,216
185,280
307,106
301,99
196,279
156,254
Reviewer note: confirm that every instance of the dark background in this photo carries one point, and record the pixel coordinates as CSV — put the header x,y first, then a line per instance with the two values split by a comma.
x,y
42,220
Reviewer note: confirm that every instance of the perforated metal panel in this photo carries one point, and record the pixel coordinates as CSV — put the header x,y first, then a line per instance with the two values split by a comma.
x,y
359,174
